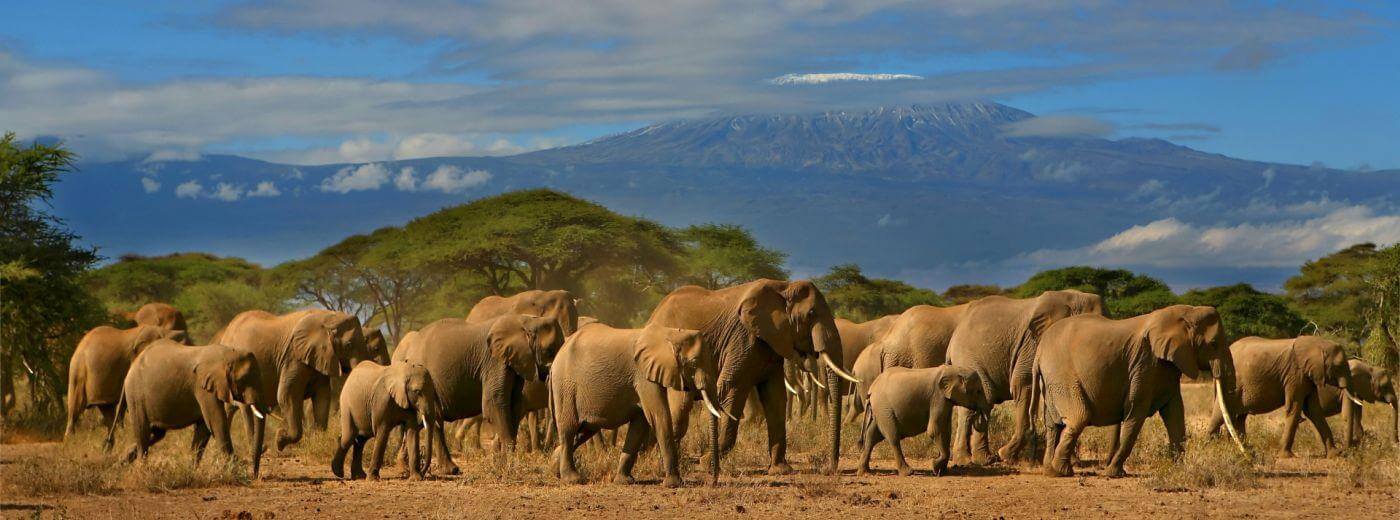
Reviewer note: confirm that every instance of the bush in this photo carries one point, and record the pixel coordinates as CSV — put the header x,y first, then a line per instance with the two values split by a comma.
x,y
1209,462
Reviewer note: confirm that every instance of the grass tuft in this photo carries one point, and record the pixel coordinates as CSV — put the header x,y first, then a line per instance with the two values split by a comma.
x,y
1208,463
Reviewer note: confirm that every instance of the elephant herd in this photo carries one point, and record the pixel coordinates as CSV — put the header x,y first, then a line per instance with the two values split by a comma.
x,y
935,370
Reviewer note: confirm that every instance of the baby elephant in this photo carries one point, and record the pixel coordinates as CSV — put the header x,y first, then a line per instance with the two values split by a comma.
x,y
604,378
172,386
906,402
375,400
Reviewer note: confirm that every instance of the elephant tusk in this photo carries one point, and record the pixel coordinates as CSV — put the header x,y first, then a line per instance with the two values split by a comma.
x,y
423,421
790,389
827,358
815,381
256,413
1352,397
705,396
1224,412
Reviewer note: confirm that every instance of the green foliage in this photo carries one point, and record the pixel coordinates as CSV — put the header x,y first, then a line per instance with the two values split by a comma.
x,y
1125,293
721,255
853,296
208,289
1379,349
1248,312
960,294
44,310
1332,291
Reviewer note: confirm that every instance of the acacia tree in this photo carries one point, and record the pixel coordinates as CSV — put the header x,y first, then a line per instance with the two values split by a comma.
x,y
721,255
43,307
856,297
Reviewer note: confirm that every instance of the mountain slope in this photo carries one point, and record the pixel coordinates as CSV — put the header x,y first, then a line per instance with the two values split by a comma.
x,y
936,194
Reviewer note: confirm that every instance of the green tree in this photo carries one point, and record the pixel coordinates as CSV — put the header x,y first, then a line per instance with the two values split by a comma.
x,y
1124,292
209,306
1333,293
960,294
721,255
856,297
44,310
136,280
1249,312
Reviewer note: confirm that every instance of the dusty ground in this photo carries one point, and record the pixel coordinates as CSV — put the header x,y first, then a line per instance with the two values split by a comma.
x,y
299,485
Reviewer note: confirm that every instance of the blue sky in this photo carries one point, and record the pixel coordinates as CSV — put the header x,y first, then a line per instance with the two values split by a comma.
x,y
317,81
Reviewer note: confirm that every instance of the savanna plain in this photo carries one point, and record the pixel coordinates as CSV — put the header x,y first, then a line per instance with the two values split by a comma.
x,y
45,478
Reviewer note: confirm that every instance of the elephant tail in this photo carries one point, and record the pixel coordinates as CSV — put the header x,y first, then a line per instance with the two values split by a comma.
x,y
116,418
1037,395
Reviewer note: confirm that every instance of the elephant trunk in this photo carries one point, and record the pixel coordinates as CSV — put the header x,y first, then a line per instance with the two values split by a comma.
x,y
1395,420
834,416
259,427
714,449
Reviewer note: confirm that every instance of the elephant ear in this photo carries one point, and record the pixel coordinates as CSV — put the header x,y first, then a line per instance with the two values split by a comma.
x,y
657,352
215,376
1169,336
311,344
398,388
511,343
763,312
1049,308
145,334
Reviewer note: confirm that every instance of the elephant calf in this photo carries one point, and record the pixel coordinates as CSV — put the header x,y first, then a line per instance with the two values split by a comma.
x,y
1369,383
906,402
604,378
172,386
375,400
1287,373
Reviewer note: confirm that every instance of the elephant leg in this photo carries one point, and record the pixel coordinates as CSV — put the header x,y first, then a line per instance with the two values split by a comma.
x,y
321,399
637,431
357,458
962,434
774,397
440,437
871,438
1127,436
381,439
199,441
342,446
290,393
1059,466
1313,411
1174,419
109,414
1351,415
571,436
1112,446
1021,411
1290,427
981,445
411,446
658,425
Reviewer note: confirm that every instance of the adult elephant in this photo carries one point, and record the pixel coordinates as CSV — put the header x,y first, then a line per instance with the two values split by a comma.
x,y
855,338
1102,372
1369,384
1289,373
997,338
916,338
754,327
166,317
298,353
558,305
99,365
480,368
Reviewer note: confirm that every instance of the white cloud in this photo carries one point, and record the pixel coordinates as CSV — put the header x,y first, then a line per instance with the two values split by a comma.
x,y
1173,243
265,189
150,185
226,192
188,189
1062,172
356,178
451,179
831,77
1059,126
173,156
406,180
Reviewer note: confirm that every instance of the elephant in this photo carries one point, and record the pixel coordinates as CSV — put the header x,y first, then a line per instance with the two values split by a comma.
x,y
604,378
997,338
99,365
754,327
1288,373
1099,371
165,316
1370,384
559,305
480,368
173,386
377,347
299,352
906,402
375,400
855,338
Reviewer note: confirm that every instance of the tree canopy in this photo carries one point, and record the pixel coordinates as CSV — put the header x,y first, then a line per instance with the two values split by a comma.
x,y
856,297
721,255
210,290
1124,292
1354,294
960,294
44,309
1249,312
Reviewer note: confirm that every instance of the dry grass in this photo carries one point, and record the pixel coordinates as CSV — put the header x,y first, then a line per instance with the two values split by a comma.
x,y
1372,465
1206,463
80,466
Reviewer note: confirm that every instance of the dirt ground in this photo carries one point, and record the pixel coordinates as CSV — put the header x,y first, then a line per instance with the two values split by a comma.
x,y
299,485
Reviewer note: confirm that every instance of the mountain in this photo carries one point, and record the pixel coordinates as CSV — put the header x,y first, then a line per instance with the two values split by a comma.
x,y
935,194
